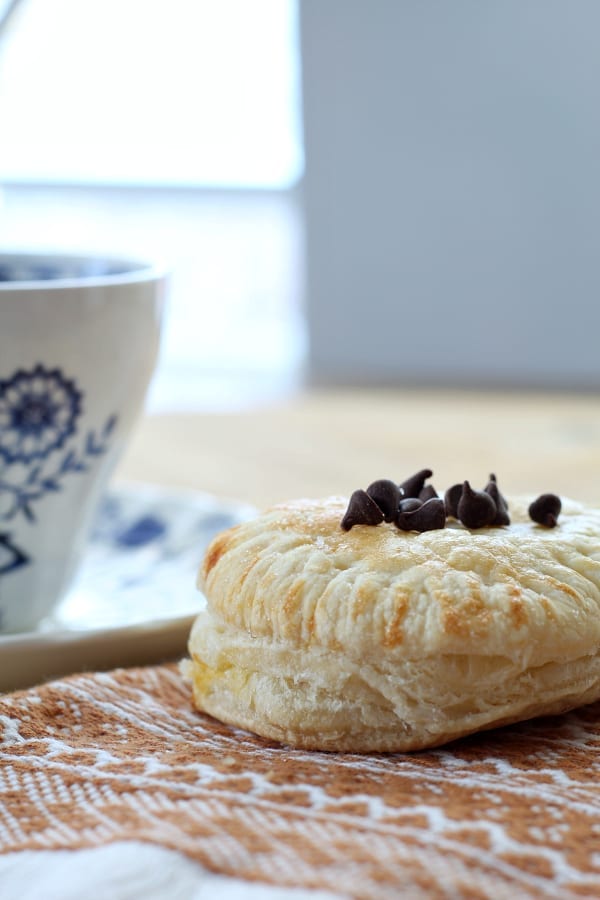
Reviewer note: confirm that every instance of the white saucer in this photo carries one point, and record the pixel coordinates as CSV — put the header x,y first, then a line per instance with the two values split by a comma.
x,y
135,597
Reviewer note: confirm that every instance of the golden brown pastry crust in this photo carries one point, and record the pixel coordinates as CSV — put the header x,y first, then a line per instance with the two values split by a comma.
x,y
377,639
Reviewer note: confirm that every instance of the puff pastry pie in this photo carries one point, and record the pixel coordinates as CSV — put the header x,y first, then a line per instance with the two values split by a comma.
x,y
377,639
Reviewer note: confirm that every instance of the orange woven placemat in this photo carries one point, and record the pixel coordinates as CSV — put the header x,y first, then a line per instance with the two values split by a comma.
x,y
103,757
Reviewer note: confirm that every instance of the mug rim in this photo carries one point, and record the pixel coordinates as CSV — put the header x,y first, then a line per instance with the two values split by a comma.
x,y
134,271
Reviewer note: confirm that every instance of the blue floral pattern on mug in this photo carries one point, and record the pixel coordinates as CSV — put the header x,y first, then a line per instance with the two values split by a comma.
x,y
10,556
39,412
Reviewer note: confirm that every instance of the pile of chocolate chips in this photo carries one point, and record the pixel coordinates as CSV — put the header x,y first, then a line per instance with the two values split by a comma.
x,y
414,505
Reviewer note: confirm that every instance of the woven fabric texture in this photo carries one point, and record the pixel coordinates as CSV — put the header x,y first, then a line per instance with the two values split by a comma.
x,y
116,756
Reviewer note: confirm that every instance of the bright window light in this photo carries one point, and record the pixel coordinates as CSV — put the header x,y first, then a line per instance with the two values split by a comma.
x,y
173,92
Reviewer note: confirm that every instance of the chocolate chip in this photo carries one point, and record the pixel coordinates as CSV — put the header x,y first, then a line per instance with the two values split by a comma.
x,y
491,488
362,510
545,510
451,498
413,486
386,495
409,504
430,516
475,509
427,493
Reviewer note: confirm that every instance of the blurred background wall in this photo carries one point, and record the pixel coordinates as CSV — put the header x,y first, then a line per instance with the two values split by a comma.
x,y
452,191
350,191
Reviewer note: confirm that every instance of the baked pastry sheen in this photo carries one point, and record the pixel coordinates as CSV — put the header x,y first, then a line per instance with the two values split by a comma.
x,y
380,640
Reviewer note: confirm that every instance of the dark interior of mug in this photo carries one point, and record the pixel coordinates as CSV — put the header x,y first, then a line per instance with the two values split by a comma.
x,y
15,267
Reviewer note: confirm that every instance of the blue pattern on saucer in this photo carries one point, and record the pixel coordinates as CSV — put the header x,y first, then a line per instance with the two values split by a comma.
x,y
143,557
142,531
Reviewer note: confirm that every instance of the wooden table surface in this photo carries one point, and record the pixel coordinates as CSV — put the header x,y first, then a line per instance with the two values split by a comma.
x,y
330,442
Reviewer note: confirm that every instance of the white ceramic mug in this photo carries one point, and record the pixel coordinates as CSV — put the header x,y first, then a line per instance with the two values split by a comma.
x,y
79,339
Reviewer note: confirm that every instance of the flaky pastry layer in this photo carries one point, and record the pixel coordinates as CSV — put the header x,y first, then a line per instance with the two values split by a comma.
x,y
317,700
380,640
